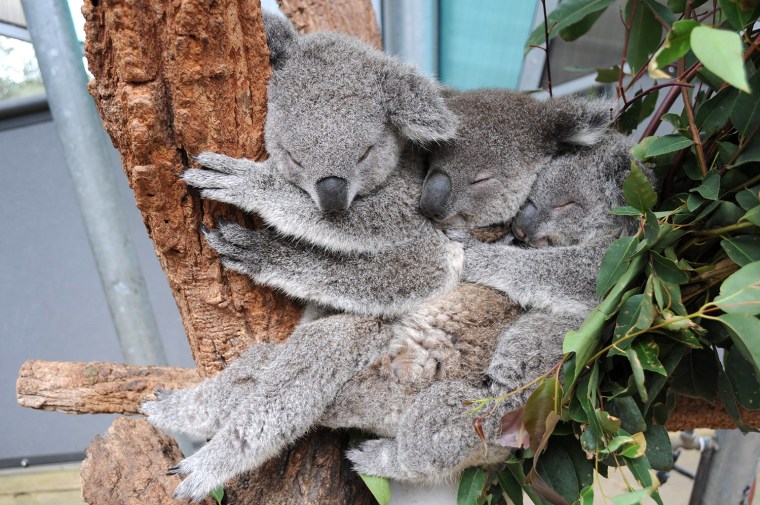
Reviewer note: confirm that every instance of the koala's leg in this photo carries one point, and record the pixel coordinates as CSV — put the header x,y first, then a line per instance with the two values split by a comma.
x,y
291,393
529,347
386,283
435,439
200,411
554,279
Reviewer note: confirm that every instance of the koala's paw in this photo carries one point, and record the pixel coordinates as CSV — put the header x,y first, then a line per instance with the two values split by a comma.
x,y
379,458
237,247
176,411
203,473
462,237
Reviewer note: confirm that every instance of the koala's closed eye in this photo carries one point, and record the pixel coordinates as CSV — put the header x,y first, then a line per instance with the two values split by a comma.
x,y
366,153
566,206
482,177
292,158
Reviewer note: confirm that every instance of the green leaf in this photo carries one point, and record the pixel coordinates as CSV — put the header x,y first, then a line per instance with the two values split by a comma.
x,y
713,114
696,375
556,468
745,112
740,292
610,424
638,374
511,487
727,213
648,351
632,497
744,331
651,228
471,486
660,10
638,191
586,497
626,408
608,75
710,186
744,379
663,145
676,45
721,52
751,155
625,211
581,27
628,317
218,494
614,263
739,13
641,470
659,451
645,34
748,198
753,216
667,270
742,250
727,398
565,15
380,488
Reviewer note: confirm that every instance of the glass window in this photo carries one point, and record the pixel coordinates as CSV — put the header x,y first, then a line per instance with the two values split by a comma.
x,y
19,73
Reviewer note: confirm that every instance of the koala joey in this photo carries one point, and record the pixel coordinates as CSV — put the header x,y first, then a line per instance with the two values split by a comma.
x,y
403,379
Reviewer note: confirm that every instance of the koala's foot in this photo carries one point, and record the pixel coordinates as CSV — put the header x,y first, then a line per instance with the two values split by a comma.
x,y
179,412
380,458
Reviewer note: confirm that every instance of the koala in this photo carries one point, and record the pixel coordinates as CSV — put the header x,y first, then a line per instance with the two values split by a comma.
x,y
344,130
404,378
359,262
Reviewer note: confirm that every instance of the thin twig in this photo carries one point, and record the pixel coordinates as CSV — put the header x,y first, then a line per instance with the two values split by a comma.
x,y
653,89
693,125
669,99
546,50
624,56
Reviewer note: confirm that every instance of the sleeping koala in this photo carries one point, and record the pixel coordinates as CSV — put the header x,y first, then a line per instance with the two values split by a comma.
x,y
365,260
403,379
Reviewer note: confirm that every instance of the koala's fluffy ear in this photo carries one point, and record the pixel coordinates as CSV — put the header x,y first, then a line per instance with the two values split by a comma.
x,y
583,122
281,36
415,105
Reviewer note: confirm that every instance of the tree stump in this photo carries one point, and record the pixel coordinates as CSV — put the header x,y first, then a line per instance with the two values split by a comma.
x,y
173,79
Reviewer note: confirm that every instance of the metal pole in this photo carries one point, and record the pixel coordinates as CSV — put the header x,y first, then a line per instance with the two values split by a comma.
x,y
726,474
410,30
86,151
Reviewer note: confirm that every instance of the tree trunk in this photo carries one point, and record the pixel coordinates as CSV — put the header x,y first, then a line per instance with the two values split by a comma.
x,y
174,78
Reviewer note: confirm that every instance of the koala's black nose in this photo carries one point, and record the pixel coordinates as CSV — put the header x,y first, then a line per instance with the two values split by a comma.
x,y
435,195
333,194
523,225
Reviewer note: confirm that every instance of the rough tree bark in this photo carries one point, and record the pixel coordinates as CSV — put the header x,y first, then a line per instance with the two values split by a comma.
x,y
174,78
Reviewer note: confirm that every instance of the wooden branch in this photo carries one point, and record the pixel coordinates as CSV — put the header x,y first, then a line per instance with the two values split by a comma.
x,y
355,17
95,388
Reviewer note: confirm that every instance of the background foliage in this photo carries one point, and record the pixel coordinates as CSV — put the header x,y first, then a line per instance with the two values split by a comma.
x,y
680,299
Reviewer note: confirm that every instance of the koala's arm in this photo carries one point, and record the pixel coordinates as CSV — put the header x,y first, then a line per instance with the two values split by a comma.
x,y
288,397
386,283
556,279
374,222
528,347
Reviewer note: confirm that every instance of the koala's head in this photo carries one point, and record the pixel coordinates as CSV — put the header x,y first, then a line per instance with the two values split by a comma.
x,y
572,196
504,139
339,113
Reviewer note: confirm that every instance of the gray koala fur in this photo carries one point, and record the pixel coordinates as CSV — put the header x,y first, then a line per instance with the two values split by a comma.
x,y
405,376
404,379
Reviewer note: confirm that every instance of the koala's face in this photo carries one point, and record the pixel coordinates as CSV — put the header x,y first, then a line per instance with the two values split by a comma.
x,y
572,196
340,112
484,175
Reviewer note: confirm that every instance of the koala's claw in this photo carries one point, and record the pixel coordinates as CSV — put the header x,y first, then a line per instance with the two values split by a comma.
x,y
173,470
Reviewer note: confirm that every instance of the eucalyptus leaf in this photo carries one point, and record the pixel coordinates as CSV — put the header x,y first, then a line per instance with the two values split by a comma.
x,y
641,470
744,379
471,486
745,112
380,488
567,14
712,115
751,155
710,186
677,44
663,145
748,198
626,408
667,269
510,486
645,34
729,401
614,263
638,191
720,51
659,450
218,494
740,292
638,374
648,351
740,13
556,469
744,331
742,250
753,216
